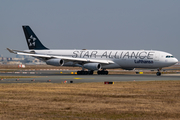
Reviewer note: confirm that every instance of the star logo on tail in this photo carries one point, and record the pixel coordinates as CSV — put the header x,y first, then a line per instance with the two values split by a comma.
x,y
31,41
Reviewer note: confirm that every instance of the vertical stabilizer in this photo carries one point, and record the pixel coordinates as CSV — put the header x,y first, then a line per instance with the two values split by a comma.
x,y
32,40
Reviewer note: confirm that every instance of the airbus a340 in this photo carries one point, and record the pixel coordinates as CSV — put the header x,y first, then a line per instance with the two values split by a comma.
x,y
96,60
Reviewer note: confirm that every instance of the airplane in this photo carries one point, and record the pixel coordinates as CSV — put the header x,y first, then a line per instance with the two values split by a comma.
x,y
95,60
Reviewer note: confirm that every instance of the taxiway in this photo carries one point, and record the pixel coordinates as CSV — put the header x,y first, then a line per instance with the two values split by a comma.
x,y
61,78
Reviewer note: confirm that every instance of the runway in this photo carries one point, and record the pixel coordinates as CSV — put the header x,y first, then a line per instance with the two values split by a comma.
x,y
53,77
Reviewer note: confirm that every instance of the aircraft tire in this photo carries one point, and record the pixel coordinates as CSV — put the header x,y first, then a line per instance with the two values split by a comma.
x,y
102,72
78,72
91,72
158,73
85,72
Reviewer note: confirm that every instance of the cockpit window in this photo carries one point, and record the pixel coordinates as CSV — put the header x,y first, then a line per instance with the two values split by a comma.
x,y
168,56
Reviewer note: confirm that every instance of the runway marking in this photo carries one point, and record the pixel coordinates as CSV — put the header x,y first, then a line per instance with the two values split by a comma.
x,y
77,78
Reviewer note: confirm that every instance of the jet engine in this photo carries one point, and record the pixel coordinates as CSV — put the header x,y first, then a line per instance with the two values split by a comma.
x,y
92,66
55,62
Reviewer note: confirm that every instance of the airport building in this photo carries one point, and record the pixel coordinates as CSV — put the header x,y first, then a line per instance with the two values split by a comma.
x,y
20,60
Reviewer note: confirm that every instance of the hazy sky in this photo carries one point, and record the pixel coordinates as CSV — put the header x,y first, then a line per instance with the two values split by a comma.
x,y
92,24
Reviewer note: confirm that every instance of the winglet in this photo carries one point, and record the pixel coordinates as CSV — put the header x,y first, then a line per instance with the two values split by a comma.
x,y
11,51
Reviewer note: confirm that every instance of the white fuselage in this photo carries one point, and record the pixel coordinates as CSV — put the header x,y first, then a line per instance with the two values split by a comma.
x,y
122,58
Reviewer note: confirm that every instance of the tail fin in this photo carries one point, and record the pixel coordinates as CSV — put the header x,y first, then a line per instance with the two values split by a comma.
x,y
32,40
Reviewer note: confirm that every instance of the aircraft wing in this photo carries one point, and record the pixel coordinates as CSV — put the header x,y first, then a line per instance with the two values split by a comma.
x,y
86,60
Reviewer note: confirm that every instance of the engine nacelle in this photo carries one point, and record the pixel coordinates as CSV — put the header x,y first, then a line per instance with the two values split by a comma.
x,y
55,62
92,66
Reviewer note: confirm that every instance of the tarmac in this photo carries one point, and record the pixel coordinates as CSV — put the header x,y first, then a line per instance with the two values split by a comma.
x,y
68,77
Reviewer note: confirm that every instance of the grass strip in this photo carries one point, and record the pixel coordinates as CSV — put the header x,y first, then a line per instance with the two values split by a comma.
x,y
122,100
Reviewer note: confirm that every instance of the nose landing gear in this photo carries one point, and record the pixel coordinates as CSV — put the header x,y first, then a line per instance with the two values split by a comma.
x,y
158,73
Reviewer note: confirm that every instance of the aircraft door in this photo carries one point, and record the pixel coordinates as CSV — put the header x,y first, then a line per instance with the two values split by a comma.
x,y
156,58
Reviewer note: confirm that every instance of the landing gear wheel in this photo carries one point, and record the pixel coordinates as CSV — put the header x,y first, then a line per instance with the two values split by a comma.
x,y
158,73
85,72
102,72
91,72
78,72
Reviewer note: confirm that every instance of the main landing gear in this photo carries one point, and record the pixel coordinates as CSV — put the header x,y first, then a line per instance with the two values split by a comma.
x,y
158,73
102,72
99,72
85,72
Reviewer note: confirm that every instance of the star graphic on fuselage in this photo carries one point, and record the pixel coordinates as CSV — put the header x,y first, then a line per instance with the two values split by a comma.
x,y
31,41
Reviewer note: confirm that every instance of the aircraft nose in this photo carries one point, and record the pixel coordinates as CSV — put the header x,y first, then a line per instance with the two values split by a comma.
x,y
174,60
